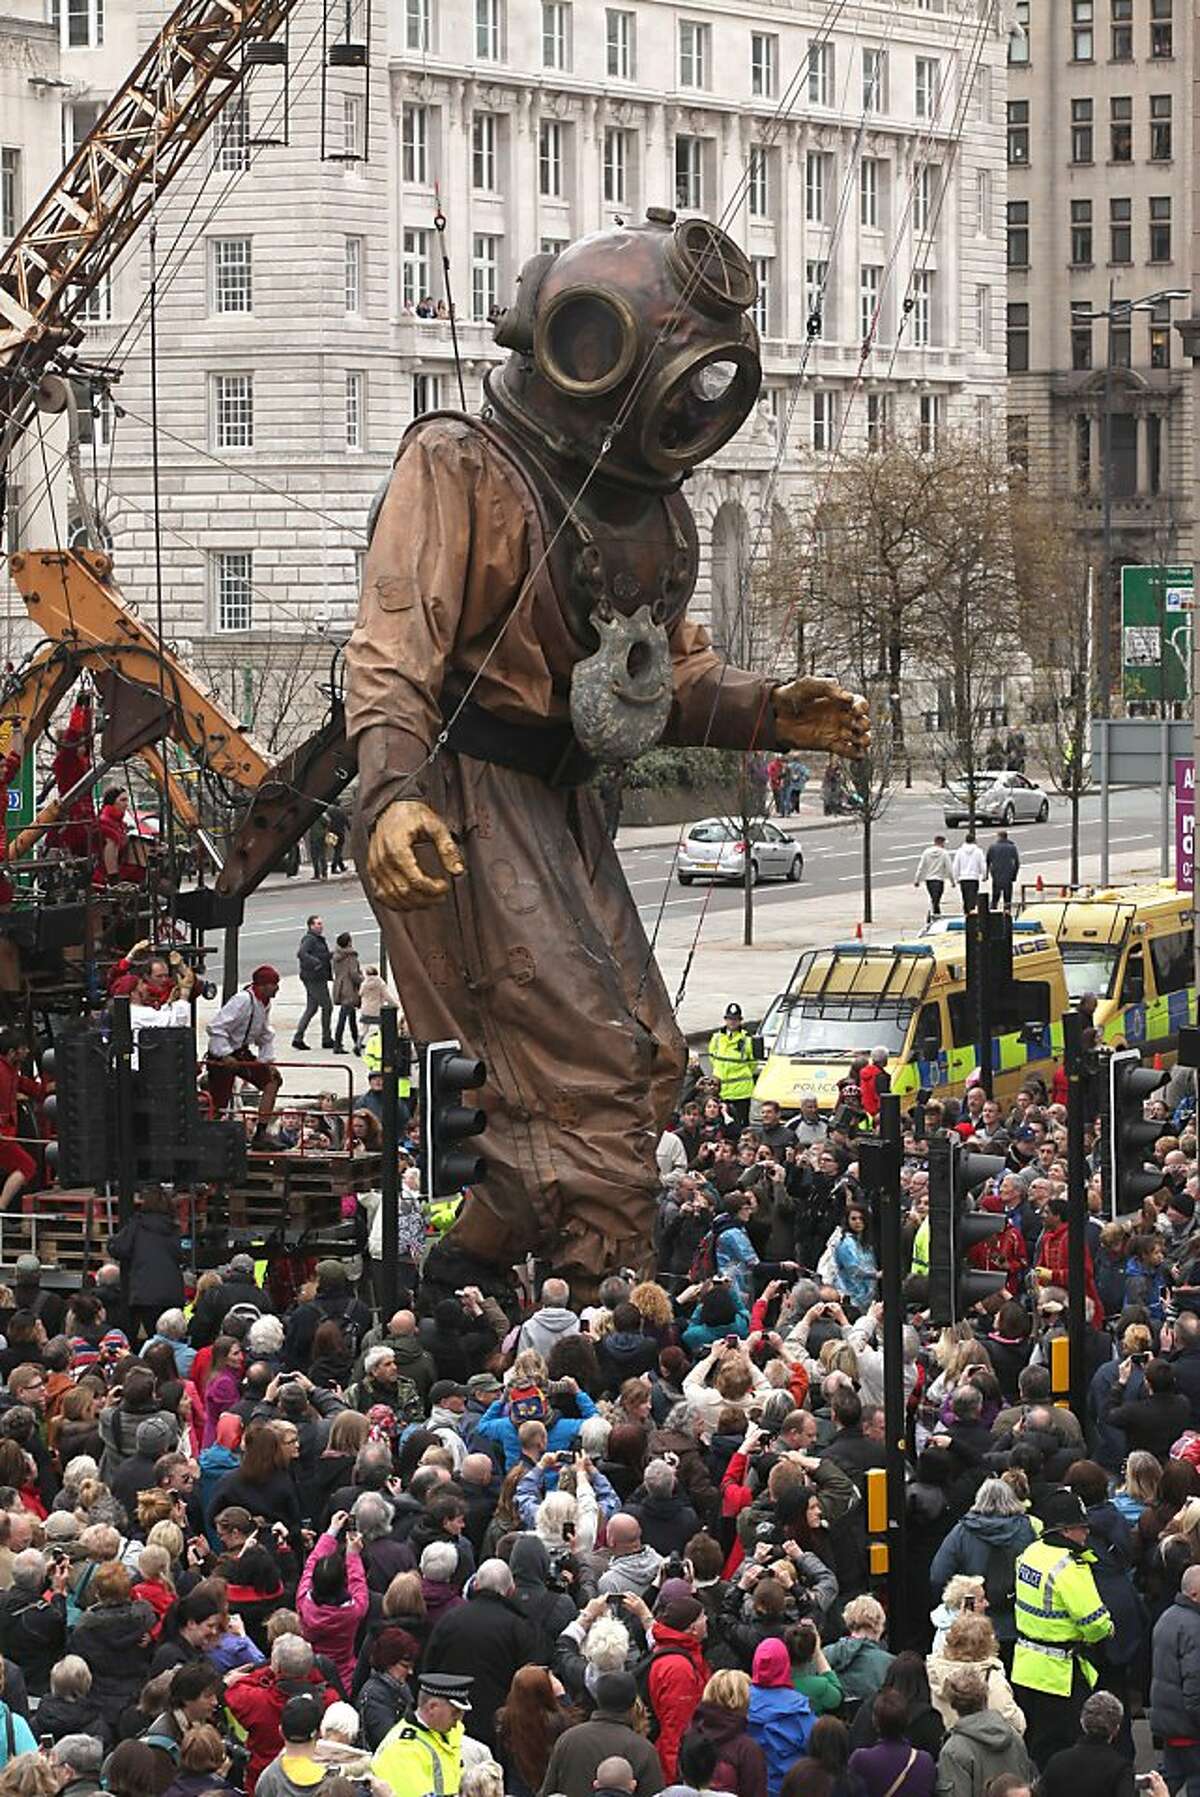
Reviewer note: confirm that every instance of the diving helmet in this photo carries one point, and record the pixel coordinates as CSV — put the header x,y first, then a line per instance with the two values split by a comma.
x,y
641,335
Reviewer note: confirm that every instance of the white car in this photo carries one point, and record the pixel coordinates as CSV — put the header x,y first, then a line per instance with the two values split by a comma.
x,y
1001,797
715,849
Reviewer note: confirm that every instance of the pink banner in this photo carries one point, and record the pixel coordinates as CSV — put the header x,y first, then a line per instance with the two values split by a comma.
x,y
1185,825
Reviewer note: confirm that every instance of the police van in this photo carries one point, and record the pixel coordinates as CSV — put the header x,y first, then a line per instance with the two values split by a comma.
x,y
910,998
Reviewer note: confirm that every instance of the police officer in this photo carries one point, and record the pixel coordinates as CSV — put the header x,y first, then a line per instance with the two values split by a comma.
x,y
731,1053
423,1758
1059,1615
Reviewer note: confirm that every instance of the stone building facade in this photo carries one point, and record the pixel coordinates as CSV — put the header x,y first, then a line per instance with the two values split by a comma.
x,y
864,172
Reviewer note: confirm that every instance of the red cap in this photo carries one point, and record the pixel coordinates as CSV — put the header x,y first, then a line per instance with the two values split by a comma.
x,y
263,976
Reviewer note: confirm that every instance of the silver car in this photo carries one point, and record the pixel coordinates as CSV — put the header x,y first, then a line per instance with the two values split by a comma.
x,y
715,849
1001,797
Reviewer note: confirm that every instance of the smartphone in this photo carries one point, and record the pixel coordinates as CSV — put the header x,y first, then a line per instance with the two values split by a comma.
x,y
615,1604
45,1742
287,1378
731,1341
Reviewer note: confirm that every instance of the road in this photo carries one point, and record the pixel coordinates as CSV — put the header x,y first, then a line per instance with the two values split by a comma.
x,y
832,866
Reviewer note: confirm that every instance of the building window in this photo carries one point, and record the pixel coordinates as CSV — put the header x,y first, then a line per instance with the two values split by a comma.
x,y
758,193
1082,131
487,30
1018,42
1018,441
983,318
820,72
1018,133
870,285
414,144
10,191
426,394
927,87
354,275
1122,344
1018,233
483,151
418,24
234,583
1081,336
1161,31
233,411
1018,338
983,95
84,21
930,423
97,302
550,159
1083,35
1160,128
619,41
874,77
922,307
232,282
764,65
689,165
925,181
414,269
617,145
1122,30
354,409
868,194
816,279
485,277
352,127
983,202
818,169
1160,228
1120,220
233,144
695,54
824,420
1160,336
556,34
877,421
1081,234
553,246
761,311
1120,108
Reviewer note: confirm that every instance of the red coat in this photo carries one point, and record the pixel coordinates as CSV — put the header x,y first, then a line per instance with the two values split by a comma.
x,y
257,1701
869,1087
1053,1254
12,1085
1003,1253
676,1684
70,764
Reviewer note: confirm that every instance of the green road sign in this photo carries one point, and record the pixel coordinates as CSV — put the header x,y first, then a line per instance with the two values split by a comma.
x,y
20,797
1156,633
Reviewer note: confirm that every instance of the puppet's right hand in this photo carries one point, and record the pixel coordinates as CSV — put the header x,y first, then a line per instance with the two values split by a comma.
x,y
394,875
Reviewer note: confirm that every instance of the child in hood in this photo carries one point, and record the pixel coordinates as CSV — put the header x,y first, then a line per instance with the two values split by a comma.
x,y
780,1718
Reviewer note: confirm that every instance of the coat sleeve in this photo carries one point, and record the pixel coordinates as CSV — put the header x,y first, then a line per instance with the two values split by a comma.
x,y
674,1694
1189,1670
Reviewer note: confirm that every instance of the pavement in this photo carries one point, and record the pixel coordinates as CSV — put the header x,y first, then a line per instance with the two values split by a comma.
x,y
697,933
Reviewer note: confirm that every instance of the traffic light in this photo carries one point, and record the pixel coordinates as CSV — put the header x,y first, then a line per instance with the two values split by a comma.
x,y
1130,1136
954,1229
447,1073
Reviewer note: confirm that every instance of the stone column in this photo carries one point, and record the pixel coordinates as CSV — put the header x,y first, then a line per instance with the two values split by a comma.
x,y
1143,454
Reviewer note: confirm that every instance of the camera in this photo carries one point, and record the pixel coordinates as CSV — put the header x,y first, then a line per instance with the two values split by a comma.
x,y
560,1575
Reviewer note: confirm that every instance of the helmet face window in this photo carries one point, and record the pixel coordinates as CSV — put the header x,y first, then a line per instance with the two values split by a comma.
x,y
691,411
587,342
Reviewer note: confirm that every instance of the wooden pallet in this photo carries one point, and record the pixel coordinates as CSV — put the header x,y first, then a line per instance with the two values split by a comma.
x,y
302,1192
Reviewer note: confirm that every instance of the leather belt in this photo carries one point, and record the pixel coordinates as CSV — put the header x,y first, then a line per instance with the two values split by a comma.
x,y
549,752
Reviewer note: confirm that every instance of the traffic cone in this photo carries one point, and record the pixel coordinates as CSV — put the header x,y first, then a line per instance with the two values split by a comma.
x,y
1158,1063
1041,884
858,935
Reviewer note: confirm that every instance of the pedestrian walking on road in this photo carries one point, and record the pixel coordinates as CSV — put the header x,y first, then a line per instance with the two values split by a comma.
x,y
316,969
1003,865
338,826
969,867
317,851
347,984
933,870
373,995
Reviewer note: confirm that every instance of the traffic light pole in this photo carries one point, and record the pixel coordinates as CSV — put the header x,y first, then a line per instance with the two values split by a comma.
x,y
122,1044
978,988
1077,1323
894,1405
389,1175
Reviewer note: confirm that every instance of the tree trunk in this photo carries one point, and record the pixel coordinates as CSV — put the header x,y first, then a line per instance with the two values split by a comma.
x,y
748,898
1075,832
895,649
868,909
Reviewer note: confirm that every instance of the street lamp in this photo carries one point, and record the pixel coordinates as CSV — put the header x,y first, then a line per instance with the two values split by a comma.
x,y
1116,311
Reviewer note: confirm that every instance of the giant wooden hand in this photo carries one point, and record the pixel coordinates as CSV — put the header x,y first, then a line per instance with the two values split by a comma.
x,y
394,875
821,714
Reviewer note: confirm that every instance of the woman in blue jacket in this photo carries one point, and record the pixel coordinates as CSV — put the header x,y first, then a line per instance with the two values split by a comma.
x,y
780,1718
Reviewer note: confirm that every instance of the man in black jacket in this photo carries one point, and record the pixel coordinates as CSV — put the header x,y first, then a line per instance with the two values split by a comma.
x,y
1003,865
487,1637
316,968
859,1443
33,1625
238,1286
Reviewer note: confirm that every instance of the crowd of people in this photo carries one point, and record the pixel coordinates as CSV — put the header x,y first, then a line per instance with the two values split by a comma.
x,y
616,1542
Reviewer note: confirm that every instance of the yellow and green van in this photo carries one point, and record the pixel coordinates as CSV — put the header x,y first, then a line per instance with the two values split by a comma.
x,y
910,998
1130,946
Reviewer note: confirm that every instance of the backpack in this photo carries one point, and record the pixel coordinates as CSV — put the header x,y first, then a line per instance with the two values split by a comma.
x,y
641,1673
827,1267
1000,1578
349,1328
704,1261
526,1404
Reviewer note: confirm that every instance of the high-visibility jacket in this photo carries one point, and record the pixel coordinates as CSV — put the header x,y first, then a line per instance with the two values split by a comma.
x,y
1058,1611
373,1061
731,1053
415,1761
